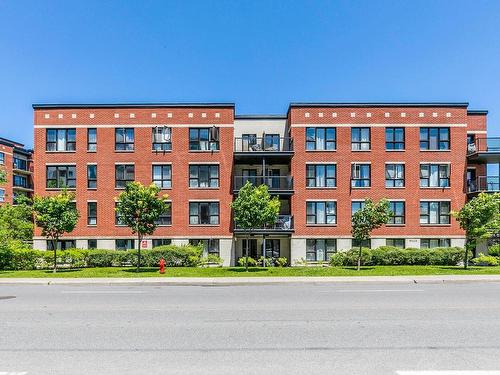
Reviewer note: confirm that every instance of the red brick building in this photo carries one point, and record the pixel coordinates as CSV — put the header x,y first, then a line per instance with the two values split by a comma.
x,y
321,159
16,165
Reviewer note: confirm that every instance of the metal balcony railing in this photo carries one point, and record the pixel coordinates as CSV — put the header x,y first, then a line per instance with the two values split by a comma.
x,y
268,143
484,145
283,183
484,184
283,223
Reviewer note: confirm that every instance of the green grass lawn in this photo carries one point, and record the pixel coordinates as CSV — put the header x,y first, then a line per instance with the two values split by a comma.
x,y
255,271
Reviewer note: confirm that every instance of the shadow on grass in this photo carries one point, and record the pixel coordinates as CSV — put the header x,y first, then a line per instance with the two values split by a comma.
x,y
141,270
64,270
250,269
354,268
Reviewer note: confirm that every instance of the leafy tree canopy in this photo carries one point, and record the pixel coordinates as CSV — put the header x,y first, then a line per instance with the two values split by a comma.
x,y
371,216
16,222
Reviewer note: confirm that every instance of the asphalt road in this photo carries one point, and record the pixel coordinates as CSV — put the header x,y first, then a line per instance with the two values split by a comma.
x,y
264,329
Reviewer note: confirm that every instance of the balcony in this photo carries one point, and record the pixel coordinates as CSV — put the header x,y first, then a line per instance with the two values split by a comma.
x,y
276,184
484,150
484,184
284,225
272,147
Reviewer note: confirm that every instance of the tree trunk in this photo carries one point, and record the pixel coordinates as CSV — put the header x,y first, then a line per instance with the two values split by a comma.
x,y
54,246
139,238
246,253
466,255
359,258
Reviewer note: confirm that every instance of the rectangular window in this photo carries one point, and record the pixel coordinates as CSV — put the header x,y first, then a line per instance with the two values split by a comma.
x,y
162,176
397,212
118,219
60,176
61,245
271,142
92,176
92,213
437,212
124,139
395,242
249,142
92,139
209,246
203,176
394,138
365,243
161,242
166,217
2,158
434,175
202,213
429,243
361,175
2,195
321,139
321,212
320,250
360,139
356,206
21,164
21,181
321,175
434,138
394,175
124,244
272,248
91,244
124,173
204,139
61,140
162,138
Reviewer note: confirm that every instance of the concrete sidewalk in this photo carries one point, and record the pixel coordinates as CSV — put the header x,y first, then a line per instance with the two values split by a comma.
x,y
434,279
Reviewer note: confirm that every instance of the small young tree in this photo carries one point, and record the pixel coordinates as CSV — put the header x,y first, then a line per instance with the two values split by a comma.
x,y
55,215
371,216
480,218
254,208
139,207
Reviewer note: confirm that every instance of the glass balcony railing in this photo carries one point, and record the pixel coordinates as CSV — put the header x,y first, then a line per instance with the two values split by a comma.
x,y
484,145
283,223
484,184
268,143
280,183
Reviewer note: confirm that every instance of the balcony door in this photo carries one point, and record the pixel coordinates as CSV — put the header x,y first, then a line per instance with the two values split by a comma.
x,y
251,246
249,175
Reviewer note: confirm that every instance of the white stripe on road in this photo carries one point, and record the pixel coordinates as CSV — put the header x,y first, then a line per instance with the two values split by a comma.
x,y
448,372
102,292
378,290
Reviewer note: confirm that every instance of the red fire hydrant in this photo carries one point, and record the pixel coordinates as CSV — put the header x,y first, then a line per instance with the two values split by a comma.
x,y
162,265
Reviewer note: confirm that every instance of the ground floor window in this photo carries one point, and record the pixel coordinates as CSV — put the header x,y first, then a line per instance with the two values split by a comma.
x,y
92,244
429,243
320,250
249,247
272,248
395,242
210,246
2,195
364,243
61,245
161,242
124,244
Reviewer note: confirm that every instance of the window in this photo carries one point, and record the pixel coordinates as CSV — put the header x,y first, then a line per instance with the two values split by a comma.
x,y
204,213
360,175
124,244
2,195
209,246
61,176
271,142
2,158
434,175
249,247
397,212
162,138
161,242
365,243
394,175
162,176
320,250
394,138
118,219
435,212
61,244
321,175
92,139
204,139
321,139
92,213
21,181
321,212
91,244
203,176
124,173
92,176
429,243
434,138
20,164
272,248
356,206
61,140
360,139
166,217
249,142
395,242
124,139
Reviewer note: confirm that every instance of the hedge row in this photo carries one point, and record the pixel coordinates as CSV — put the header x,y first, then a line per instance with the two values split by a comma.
x,y
388,255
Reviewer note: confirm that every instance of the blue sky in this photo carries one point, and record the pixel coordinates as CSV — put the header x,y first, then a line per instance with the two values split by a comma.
x,y
259,54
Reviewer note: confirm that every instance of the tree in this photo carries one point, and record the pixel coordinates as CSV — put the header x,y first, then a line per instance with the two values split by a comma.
x,y
480,218
3,176
371,216
139,207
55,215
254,208
16,221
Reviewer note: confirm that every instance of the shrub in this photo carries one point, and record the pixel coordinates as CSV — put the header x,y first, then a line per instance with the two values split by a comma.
x,y
243,261
281,262
485,260
103,258
265,262
494,250
211,259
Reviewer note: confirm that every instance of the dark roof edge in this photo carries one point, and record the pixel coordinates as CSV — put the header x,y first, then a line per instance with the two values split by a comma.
x,y
133,105
368,104
11,143
260,117
477,112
